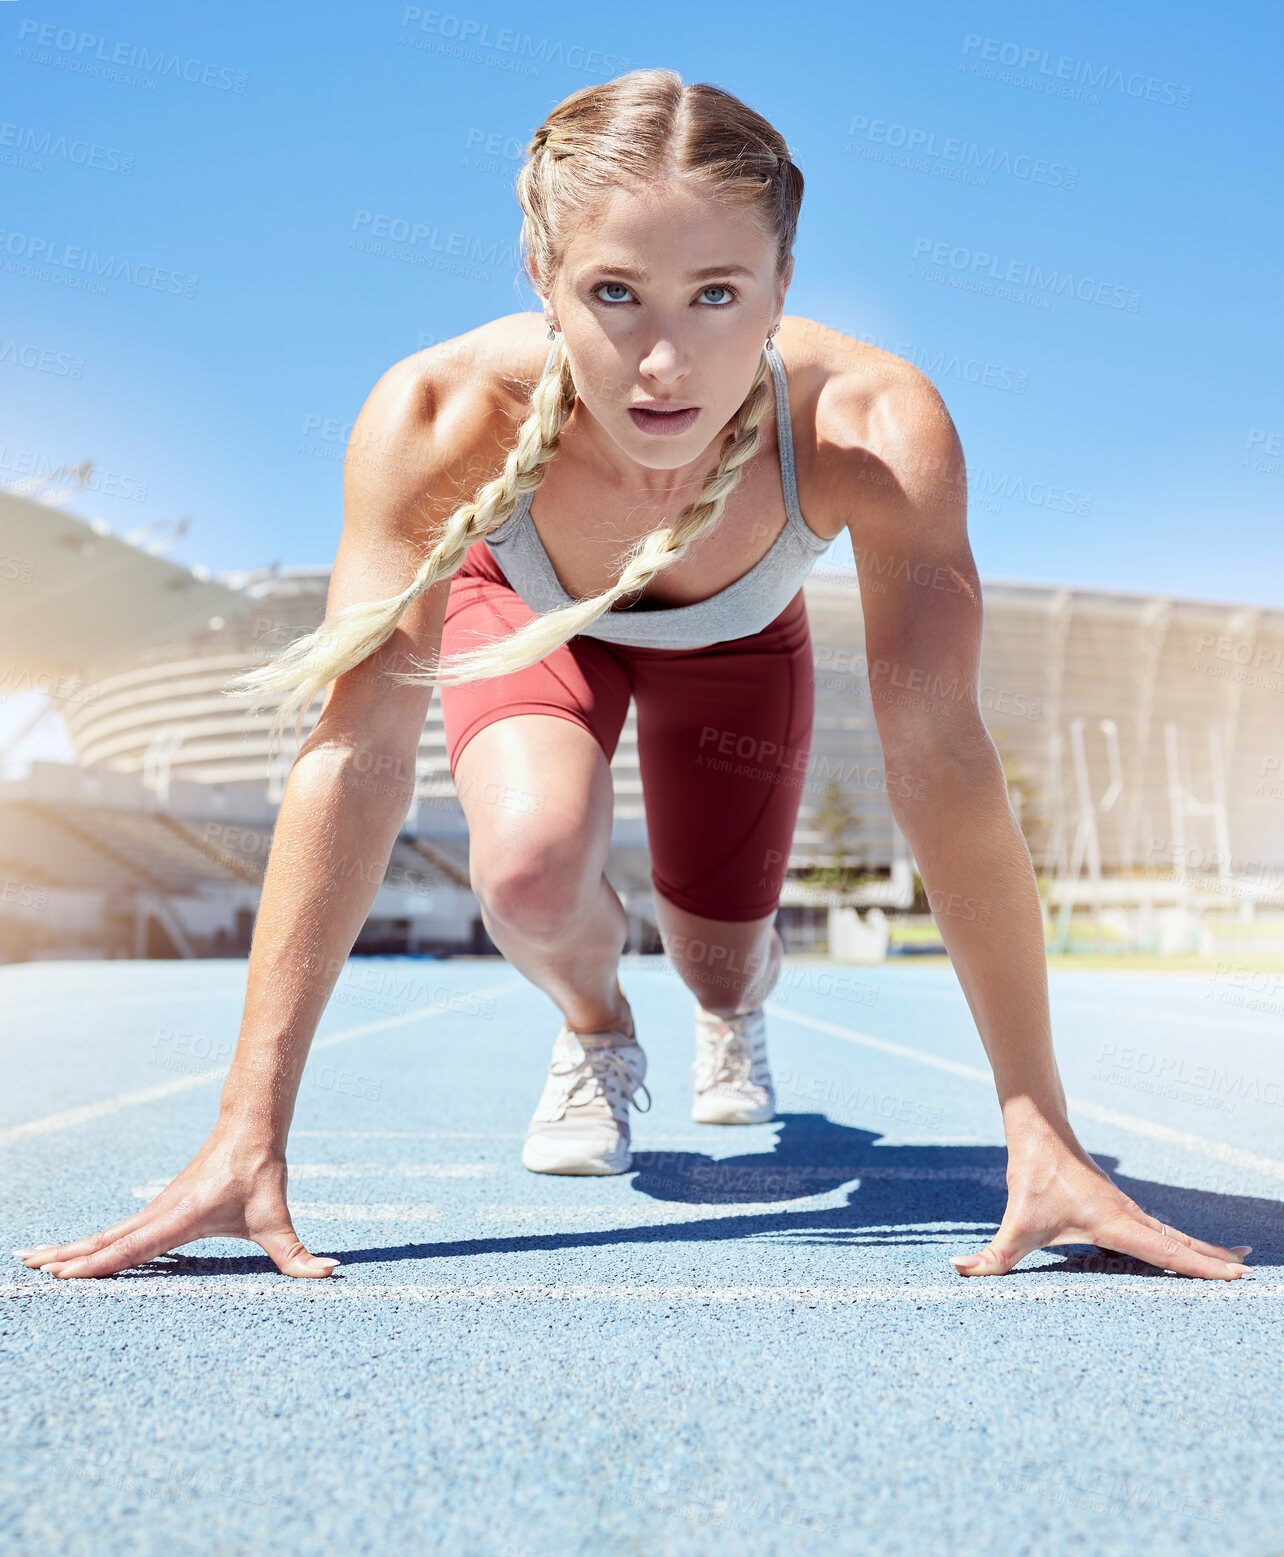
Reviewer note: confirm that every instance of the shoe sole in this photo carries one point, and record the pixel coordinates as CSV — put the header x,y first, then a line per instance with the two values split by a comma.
x,y
578,1167
726,1113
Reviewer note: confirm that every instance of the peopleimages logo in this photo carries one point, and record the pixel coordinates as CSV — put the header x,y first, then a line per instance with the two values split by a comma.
x,y
47,258
42,359
87,52
1036,67
980,267
463,31
968,154
33,145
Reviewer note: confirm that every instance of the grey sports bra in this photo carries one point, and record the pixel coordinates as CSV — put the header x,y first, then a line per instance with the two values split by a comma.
x,y
744,607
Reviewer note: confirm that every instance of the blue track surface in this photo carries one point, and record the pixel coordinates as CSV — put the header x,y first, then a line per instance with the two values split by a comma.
x,y
751,1343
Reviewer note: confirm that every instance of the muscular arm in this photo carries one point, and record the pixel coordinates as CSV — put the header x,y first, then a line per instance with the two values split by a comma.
x,y
921,598
333,838
904,482
334,832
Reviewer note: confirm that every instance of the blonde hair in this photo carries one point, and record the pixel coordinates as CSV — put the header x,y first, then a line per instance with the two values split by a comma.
x,y
639,129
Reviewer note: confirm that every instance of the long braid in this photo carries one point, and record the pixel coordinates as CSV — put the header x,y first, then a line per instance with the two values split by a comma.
x,y
350,635
649,556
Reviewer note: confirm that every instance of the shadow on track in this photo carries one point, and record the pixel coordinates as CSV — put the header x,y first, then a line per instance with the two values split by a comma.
x,y
895,1191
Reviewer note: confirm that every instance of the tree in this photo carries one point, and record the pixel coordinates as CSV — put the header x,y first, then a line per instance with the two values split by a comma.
x,y
837,823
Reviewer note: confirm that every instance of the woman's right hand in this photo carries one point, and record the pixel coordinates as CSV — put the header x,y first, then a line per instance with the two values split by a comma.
x,y
232,1188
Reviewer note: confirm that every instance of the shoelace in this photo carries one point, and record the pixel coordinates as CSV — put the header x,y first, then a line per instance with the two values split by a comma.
x,y
724,1056
602,1072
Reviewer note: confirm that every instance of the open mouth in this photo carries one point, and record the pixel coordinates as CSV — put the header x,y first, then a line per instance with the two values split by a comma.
x,y
665,423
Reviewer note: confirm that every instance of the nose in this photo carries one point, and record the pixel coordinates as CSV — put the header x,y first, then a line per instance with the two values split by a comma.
x,y
665,363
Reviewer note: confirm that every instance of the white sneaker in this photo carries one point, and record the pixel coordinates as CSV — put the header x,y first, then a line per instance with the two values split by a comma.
x,y
581,1123
730,1076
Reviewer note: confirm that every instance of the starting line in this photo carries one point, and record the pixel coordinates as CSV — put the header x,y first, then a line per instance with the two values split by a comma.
x,y
330,1289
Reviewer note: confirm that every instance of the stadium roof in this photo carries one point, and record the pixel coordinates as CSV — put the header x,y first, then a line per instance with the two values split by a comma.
x,y
72,593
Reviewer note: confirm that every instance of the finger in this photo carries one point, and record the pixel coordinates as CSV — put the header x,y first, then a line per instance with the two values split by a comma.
x,y
45,1253
1213,1250
134,1248
995,1259
1130,1236
999,1255
284,1248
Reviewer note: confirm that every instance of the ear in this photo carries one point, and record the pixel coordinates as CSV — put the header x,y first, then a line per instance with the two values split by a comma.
x,y
546,306
785,280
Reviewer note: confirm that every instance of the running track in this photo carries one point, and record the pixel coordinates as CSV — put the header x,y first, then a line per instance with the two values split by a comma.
x,y
751,1343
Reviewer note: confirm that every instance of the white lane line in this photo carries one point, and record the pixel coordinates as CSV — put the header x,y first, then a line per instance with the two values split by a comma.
x,y
392,1170
1226,1023
331,1211
884,1141
74,1004
566,1216
360,1031
976,1290
1149,1011
331,1039
113,1105
639,1216
708,1139
1268,1167
387,1211
360,1170
405,1135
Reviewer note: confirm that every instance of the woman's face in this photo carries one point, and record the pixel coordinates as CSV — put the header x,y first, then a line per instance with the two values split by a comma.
x,y
666,297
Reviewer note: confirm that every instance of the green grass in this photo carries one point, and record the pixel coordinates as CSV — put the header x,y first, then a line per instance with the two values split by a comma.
x,y
1186,962
1084,962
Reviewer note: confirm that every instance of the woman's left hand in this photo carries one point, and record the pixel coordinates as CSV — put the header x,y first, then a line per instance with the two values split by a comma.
x,y
1057,1196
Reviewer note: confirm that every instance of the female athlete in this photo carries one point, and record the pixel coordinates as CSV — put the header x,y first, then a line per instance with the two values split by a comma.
x,y
694,450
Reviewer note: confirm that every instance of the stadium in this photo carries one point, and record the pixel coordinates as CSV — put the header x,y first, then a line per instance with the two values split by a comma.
x,y
713,1292
1141,736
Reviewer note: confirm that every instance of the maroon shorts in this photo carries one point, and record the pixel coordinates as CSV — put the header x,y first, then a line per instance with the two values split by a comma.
x,y
724,734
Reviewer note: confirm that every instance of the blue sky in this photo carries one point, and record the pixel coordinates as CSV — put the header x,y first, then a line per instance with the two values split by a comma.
x,y
1116,170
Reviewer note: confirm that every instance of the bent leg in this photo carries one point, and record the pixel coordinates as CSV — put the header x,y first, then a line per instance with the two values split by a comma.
x,y
730,966
537,863
530,755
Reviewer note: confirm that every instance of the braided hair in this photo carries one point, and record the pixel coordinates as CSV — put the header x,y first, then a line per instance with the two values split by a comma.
x,y
642,126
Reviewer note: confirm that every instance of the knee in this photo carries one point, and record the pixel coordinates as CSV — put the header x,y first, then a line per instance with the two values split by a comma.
x,y
536,891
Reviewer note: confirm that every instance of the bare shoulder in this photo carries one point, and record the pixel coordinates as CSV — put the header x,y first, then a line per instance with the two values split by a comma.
x,y
434,429
878,425
438,423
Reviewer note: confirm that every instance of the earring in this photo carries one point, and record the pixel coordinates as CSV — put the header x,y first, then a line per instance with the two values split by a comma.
x,y
770,333
552,333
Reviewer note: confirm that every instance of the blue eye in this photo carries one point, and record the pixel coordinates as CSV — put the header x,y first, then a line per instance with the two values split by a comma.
x,y
619,286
